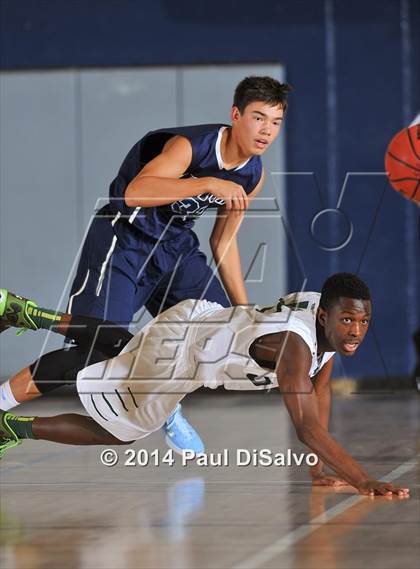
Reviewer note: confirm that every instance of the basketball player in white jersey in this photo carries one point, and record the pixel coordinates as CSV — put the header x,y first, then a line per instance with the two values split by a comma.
x,y
200,343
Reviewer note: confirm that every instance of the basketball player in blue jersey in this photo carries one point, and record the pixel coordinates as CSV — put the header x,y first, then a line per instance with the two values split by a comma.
x,y
141,249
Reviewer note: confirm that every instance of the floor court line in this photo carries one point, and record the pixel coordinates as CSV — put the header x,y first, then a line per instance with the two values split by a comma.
x,y
293,537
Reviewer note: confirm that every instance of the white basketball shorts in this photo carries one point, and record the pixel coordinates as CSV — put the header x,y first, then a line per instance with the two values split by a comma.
x,y
134,393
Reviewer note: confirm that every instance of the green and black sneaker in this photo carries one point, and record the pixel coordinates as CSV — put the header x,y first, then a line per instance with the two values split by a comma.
x,y
8,438
16,311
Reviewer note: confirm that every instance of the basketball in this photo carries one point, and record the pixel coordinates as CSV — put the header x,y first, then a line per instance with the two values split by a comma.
x,y
402,162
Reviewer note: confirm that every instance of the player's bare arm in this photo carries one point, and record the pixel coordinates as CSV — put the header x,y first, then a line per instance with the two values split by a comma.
x,y
160,182
224,245
292,358
322,386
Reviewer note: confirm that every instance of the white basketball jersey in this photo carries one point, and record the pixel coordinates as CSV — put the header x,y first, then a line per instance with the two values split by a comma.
x,y
192,344
220,343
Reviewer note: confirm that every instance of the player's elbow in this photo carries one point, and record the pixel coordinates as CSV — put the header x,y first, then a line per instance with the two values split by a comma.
x,y
131,196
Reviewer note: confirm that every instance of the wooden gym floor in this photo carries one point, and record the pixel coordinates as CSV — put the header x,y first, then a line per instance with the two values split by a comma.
x,y
61,508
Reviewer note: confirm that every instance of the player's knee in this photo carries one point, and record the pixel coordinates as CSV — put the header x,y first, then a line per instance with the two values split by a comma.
x,y
58,368
46,379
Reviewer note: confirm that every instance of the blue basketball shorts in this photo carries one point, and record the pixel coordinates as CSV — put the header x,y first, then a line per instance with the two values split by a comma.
x,y
117,275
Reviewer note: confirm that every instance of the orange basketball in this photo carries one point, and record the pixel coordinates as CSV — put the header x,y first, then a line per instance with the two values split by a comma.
x,y
402,162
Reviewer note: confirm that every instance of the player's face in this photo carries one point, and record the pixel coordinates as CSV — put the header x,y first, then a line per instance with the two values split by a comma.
x,y
345,324
257,127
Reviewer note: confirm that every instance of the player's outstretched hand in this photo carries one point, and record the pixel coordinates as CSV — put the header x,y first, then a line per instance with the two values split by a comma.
x,y
328,480
232,194
378,488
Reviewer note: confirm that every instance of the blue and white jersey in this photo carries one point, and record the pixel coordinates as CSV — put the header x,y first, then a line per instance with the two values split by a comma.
x,y
167,221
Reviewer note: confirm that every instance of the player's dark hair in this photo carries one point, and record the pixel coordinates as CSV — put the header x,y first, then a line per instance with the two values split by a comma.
x,y
261,88
344,285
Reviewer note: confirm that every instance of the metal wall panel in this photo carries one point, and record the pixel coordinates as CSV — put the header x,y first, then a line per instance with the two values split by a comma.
x,y
37,192
118,106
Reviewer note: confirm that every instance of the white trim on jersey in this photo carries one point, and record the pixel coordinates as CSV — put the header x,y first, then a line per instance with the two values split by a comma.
x,y
217,148
107,258
134,214
219,158
242,165
81,289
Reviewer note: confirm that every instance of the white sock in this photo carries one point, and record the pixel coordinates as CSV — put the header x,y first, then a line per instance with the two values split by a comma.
x,y
7,400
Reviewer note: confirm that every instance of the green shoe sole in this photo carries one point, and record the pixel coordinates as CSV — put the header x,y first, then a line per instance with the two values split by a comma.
x,y
6,445
8,438
14,311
